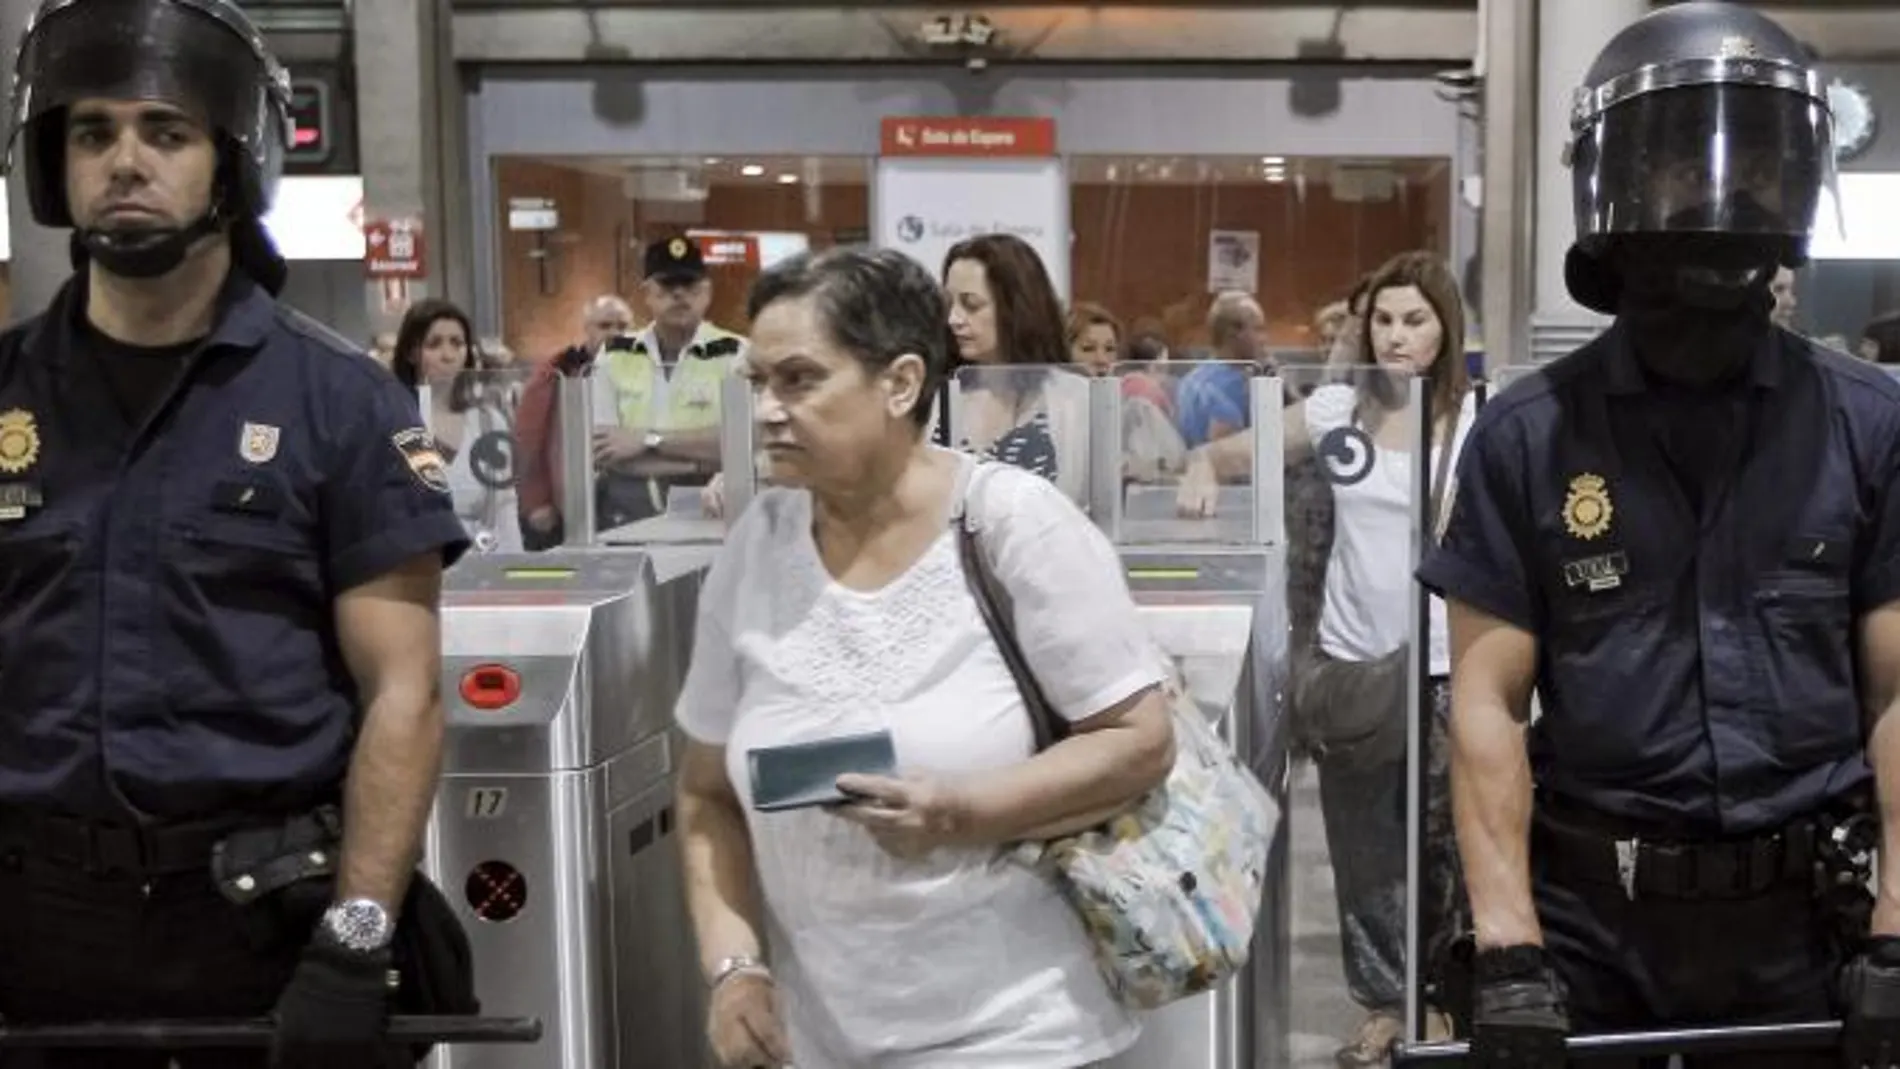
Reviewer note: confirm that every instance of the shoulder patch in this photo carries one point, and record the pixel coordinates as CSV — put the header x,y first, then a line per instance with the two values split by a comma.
x,y
417,448
726,346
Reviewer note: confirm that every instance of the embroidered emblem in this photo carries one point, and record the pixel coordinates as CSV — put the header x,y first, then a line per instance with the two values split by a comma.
x,y
258,443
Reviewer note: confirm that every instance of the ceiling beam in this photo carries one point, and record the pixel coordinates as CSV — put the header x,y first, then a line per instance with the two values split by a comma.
x,y
1388,33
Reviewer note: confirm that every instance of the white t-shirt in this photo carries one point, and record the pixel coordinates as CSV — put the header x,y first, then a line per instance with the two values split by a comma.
x,y
961,958
1365,614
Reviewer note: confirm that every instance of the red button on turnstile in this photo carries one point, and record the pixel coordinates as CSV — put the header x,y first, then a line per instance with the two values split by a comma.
x,y
491,686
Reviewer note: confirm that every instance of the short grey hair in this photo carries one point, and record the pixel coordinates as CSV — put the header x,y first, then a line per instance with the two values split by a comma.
x,y
1229,313
876,305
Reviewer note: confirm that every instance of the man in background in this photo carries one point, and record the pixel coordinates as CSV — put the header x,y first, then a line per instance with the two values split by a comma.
x,y
537,441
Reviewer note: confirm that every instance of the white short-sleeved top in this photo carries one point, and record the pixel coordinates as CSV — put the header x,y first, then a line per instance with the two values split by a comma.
x,y
961,958
1367,607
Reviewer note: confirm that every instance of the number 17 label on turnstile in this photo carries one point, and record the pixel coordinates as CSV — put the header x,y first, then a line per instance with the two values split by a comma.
x,y
486,803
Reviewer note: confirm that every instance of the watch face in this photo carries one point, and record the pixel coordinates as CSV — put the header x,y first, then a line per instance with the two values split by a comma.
x,y
359,924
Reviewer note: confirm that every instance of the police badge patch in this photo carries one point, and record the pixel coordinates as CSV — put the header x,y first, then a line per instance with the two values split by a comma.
x,y
417,448
258,443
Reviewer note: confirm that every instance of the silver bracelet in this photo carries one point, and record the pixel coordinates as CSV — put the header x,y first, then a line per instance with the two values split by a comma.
x,y
737,965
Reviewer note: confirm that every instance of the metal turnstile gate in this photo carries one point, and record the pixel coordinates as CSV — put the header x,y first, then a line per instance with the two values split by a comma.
x,y
553,825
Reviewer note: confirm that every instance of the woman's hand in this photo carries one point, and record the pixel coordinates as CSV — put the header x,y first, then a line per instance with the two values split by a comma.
x,y
712,497
743,1023
1199,489
908,817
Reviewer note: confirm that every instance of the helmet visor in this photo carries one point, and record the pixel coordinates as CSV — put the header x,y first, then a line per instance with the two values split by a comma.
x,y
1706,159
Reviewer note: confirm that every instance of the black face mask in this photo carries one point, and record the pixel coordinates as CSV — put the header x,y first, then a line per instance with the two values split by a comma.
x,y
144,252
1696,306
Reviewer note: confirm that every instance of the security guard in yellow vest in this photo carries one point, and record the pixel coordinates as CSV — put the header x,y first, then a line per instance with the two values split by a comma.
x,y
664,382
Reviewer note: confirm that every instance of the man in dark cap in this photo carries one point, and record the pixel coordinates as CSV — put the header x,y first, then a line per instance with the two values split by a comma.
x,y
657,401
1685,536
222,536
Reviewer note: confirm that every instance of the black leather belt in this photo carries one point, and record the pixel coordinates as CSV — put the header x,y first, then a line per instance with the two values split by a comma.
x,y
1718,868
151,850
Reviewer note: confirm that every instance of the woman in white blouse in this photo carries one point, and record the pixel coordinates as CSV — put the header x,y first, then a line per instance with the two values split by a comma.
x,y
891,932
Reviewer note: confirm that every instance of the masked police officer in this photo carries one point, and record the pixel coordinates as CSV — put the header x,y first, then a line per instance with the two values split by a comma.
x,y
1686,536
222,534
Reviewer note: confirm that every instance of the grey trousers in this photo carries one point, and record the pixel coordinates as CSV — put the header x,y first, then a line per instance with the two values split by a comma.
x,y
1365,818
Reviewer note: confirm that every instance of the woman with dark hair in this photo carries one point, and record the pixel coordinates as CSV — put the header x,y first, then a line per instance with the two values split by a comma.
x,y
470,411
890,928
1003,312
1350,657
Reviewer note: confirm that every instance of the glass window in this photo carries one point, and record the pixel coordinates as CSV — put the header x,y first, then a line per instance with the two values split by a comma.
x,y
576,228
1157,238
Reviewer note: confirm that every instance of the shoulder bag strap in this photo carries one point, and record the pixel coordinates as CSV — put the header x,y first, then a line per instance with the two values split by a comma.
x,y
1441,478
993,604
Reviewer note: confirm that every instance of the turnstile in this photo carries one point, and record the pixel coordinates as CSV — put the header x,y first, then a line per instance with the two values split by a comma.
x,y
1217,613
552,829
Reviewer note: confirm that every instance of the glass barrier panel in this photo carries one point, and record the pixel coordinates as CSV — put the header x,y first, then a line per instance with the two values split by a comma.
x,y
1353,469
475,418
654,428
1187,452
1033,416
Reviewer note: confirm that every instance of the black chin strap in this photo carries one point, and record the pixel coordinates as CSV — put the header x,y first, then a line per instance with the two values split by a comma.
x,y
144,253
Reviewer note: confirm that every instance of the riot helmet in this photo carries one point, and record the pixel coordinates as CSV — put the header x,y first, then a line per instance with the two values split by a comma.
x,y
1700,127
203,56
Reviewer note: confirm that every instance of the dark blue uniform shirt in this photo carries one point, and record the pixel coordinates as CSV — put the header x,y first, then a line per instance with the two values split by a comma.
x,y
168,574
1692,567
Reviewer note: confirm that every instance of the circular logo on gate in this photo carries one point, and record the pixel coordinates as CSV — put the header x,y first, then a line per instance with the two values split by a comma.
x,y
910,228
19,441
496,891
1346,455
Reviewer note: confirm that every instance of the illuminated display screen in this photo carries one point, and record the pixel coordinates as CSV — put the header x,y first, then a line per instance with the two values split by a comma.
x,y
539,573
310,122
1164,573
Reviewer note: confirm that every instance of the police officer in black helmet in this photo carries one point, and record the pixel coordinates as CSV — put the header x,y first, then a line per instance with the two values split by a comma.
x,y
222,534
1686,537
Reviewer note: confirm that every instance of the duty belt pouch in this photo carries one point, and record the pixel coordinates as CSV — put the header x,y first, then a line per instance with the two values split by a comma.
x,y
433,958
281,876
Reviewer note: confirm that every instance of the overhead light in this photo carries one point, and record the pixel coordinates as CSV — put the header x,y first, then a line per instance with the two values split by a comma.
x,y
712,161
787,179
1273,161
1275,176
752,170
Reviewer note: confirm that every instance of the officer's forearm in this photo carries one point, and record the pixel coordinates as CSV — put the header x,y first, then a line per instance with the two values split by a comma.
x,y
1491,810
698,446
391,786
1883,750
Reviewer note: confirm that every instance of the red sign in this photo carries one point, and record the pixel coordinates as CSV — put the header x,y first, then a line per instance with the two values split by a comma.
x,y
968,136
393,248
731,250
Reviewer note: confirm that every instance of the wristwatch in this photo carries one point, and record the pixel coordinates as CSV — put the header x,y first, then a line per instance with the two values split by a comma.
x,y
737,965
359,924
654,440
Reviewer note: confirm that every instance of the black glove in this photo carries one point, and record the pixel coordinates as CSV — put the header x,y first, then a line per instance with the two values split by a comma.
x,y
335,1008
1518,1015
573,360
1870,1000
